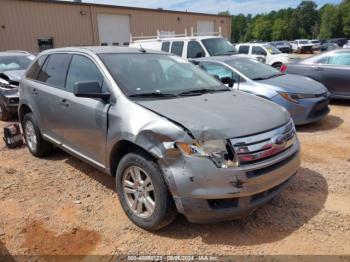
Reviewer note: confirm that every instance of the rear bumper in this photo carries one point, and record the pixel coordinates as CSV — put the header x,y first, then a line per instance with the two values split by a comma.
x,y
205,193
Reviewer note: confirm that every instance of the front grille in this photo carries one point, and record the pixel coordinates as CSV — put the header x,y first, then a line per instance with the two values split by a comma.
x,y
268,169
256,148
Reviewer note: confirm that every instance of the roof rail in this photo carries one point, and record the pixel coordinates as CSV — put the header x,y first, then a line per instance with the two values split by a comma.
x,y
159,36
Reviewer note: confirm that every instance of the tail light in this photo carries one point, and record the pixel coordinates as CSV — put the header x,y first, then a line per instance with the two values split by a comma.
x,y
283,68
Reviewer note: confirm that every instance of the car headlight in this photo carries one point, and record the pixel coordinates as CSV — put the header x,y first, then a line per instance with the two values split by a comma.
x,y
219,151
294,98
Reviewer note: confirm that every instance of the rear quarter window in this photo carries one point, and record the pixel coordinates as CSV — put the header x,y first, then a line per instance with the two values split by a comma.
x,y
34,70
177,47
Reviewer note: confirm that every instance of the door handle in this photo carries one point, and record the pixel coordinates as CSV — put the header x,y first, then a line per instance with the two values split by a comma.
x,y
319,69
64,103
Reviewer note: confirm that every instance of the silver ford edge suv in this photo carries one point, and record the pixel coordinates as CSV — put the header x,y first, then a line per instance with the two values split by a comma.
x,y
174,137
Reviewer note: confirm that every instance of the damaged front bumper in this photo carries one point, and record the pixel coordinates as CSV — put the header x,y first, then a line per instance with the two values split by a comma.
x,y
205,193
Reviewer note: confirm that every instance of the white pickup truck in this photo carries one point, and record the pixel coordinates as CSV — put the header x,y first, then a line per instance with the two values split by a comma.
x,y
270,54
302,45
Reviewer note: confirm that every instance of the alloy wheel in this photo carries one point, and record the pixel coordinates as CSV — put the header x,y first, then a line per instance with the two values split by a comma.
x,y
139,191
30,135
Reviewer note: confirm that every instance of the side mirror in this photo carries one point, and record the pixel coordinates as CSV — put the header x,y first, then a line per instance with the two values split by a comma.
x,y
227,81
90,89
199,55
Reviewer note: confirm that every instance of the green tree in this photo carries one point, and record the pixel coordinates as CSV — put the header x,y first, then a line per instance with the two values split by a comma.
x,y
262,28
330,22
344,8
279,29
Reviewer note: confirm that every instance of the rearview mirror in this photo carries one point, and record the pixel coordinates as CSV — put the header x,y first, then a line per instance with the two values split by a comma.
x,y
89,89
227,81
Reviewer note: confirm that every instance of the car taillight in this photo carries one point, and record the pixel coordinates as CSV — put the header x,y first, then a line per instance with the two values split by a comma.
x,y
283,68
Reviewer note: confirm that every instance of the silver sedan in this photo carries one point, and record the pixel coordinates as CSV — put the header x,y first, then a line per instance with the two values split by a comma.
x,y
305,99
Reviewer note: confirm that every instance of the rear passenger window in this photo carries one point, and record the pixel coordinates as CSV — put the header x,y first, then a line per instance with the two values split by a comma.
x,y
243,49
165,46
34,70
55,69
177,47
82,69
194,50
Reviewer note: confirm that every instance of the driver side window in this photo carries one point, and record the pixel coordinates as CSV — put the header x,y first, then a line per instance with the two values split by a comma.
x,y
258,50
82,69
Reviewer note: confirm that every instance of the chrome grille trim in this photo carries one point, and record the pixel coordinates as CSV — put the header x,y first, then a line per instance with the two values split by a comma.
x,y
259,147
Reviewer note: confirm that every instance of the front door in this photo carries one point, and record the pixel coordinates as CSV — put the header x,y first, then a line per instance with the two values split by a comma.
x,y
85,119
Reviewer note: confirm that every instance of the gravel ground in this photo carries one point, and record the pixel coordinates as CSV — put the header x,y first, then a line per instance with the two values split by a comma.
x,y
60,205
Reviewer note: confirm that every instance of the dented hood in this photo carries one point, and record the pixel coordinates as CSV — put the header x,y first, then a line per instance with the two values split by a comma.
x,y
220,115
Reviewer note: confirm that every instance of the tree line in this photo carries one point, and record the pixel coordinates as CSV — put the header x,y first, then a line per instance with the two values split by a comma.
x,y
305,21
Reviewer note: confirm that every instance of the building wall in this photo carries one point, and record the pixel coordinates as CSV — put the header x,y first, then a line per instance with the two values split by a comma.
x,y
22,22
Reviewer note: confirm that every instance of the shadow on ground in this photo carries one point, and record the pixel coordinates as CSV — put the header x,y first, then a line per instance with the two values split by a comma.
x,y
4,254
330,122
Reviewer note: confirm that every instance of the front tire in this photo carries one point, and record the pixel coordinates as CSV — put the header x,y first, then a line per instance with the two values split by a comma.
x,y
143,192
277,65
4,114
35,143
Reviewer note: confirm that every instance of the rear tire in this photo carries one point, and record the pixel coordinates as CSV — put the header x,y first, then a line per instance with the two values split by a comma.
x,y
4,114
35,143
134,194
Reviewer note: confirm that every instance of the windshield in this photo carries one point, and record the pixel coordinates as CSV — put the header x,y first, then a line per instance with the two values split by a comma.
x,y
272,50
218,46
314,41
9,63
303,42
254,69
141,74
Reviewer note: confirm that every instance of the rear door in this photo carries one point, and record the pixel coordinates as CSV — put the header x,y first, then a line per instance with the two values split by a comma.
x,y
49,95
334,72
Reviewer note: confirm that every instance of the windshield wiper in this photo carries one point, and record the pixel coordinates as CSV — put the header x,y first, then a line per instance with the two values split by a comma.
x,y
267,77
229,52
153,94
201,91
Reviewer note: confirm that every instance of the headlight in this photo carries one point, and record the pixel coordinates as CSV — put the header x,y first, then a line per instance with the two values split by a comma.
x,y
218,151
294,98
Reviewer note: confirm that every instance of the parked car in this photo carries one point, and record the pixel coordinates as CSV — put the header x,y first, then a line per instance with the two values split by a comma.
x,y
283,46
305,99
271,54
12,67
339,41
175,138
331,69
302,46
329,46
347,45
316,44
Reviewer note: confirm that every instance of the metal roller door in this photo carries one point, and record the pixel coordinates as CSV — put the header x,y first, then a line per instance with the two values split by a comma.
x,y
113,29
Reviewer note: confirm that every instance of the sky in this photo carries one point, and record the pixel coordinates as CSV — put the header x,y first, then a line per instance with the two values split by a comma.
x,y
212,6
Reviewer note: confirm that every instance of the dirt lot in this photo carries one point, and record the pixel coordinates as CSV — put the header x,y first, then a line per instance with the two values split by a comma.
x,y
61,205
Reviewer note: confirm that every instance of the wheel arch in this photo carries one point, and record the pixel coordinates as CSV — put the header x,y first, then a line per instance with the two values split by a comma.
x,y
120,149
22,111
